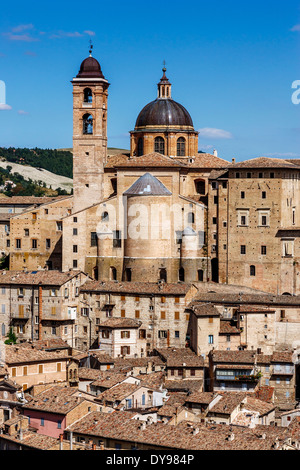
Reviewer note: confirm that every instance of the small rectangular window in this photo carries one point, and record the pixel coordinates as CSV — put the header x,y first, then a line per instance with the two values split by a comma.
x,y
117,239
263,250
93,239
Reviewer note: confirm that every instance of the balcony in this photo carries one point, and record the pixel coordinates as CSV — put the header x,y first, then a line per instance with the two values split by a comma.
x,y
234,377
15,315
283,370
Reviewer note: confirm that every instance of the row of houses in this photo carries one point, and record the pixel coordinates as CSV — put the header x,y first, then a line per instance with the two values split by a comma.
x,y
138,404
133,318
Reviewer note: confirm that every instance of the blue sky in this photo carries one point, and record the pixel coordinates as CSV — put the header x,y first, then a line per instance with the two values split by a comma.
x,y
231,64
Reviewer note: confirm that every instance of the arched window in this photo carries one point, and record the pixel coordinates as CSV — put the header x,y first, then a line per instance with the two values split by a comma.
x,y
87,95
191,218
105,217
140,147
200,275
159,145
128,274
87,122
200,187
113,273
181,276
181,147
252,271
163,274
3,329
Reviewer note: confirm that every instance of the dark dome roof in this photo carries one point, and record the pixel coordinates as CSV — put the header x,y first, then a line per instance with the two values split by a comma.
x,y
164,112
90,68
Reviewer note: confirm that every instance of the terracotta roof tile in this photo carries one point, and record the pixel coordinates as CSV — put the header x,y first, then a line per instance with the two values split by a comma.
x,y
46,278
136,287
265,162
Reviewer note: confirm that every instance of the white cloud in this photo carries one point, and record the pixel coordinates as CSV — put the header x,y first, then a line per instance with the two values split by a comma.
x,y
22,27
5,107
19,37
296,27
90,33
66,34
21,111
212,133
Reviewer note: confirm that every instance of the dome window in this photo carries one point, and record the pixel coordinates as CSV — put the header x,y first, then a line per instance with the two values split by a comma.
x,y
140,147
181,147
87,121
159,145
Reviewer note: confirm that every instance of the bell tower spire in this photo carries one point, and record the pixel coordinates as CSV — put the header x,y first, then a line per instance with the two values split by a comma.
x,y
164,86
89,132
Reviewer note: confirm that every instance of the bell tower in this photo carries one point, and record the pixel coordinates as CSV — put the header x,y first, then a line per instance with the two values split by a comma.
x,y
89,133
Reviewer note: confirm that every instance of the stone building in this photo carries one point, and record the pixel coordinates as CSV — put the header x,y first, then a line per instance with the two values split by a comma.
x,y
120,337
29,366
248,370
160,307
35,236
256,225
41,305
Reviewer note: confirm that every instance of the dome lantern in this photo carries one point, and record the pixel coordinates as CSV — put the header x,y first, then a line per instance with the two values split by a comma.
x,y
164,86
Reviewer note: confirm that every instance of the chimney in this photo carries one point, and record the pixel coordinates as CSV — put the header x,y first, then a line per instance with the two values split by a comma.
x,y
195,431
230,437
40,310
61,436
71,440
215,153
233,160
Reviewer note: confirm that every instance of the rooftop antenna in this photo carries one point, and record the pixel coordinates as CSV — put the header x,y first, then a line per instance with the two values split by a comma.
x,y
91,48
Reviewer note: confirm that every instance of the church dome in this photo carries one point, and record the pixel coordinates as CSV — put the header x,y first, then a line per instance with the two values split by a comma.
x,y
90,68
164,112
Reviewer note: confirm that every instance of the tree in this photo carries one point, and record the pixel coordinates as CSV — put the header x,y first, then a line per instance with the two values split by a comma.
x,y
11,337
